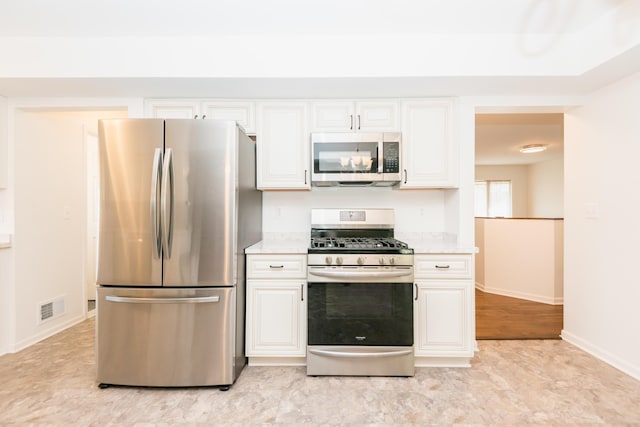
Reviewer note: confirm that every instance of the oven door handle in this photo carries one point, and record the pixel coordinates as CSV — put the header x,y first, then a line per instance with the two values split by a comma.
x,y
352,354
360,274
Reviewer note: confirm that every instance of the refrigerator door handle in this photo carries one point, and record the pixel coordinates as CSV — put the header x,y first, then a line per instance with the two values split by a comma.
x,y
156,174
136,300
166,197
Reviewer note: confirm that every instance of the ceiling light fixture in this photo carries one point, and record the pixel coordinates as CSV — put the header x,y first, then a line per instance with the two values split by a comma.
x,y
533,148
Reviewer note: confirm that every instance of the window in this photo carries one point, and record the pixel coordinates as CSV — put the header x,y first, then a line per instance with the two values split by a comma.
x,y
493,198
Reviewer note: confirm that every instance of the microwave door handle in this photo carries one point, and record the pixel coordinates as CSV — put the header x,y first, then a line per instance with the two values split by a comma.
x,y
380,159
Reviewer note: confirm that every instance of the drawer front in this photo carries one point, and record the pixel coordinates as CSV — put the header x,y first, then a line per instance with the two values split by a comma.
x,y
442,266
276,266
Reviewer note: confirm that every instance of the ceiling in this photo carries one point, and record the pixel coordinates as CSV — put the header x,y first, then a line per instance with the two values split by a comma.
x,y
499,138
214,17
420,21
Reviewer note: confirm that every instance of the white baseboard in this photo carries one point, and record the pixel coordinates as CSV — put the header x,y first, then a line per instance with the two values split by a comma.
x,y
520,295
29,341
622,365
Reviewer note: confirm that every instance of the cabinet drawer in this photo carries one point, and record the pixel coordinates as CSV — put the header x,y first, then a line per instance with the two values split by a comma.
x,y
440,266
276,266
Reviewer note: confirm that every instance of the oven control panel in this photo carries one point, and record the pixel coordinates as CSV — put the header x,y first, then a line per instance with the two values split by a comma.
x,y
360,259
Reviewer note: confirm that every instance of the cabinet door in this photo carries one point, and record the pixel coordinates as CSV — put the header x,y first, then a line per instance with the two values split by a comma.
x,y
333,116
443,316
276,318
429,151
377,116
283,146
351,116
172,109
242,112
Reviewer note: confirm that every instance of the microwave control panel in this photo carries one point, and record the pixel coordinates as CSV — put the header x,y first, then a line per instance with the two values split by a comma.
x,y
391,156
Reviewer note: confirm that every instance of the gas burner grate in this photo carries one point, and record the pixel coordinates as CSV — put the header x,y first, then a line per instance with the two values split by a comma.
x,y
356,243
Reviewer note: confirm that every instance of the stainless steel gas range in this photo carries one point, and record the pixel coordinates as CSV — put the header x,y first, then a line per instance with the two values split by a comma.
x,y
360,295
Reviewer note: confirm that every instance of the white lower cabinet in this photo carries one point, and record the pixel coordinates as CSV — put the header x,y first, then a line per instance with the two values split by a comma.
x,y
444,325
276,321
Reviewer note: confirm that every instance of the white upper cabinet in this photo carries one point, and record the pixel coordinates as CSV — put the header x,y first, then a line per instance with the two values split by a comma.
x,y
429,148
283,145
354,116
243,112
172,109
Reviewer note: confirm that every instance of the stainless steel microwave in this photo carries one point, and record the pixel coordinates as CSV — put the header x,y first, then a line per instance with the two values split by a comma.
x,y
355,159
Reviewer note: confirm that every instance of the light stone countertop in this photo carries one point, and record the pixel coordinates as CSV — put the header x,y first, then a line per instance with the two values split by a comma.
x,y
5,241
434,243
298,243
281,243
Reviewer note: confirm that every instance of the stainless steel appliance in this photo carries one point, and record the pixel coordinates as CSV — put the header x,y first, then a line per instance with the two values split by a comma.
x,y
360,295
355,159
178,207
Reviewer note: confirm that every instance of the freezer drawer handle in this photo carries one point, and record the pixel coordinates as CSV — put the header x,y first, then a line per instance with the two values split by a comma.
x,y
191,300
360,355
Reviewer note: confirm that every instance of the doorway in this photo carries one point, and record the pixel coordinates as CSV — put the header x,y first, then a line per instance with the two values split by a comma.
x,y
93,209
519,270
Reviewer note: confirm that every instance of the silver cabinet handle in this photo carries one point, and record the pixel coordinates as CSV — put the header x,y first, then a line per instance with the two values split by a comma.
x,y
358,121
166,197
195,117
305,176
302,292
156,173
405,176
276,266
136,300
443,267
416,298
351,121
351,354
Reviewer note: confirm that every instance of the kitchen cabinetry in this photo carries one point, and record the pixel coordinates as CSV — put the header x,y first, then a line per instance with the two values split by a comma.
x,y
355,116
283,146
444,323
172,109
276,326
429,148
241,111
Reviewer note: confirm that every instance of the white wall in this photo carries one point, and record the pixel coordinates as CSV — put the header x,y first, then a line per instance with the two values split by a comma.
x,y
546,189
537,190
602,292
50,218
523,258
519,177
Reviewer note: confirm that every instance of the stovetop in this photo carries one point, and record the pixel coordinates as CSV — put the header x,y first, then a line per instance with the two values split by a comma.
x,y
357,243
382,245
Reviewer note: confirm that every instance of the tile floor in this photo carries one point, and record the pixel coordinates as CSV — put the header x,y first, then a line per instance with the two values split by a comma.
x,y
509,383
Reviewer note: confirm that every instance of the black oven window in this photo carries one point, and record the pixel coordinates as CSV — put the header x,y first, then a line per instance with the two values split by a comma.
x,y
364,302
360,314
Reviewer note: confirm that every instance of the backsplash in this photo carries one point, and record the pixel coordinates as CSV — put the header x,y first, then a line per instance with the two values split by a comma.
x,y
415,210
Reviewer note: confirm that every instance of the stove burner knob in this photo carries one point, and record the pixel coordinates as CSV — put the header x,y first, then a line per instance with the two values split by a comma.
x,y
360,260
392,260
382,260
339,260
328,260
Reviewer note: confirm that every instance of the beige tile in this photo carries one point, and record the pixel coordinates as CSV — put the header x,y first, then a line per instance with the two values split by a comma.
x,y
509,383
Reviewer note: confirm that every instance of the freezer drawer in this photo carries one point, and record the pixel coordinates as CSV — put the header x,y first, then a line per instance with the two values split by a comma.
x,y
166,337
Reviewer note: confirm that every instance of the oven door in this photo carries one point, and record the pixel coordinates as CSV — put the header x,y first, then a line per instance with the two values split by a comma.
x,y
360,314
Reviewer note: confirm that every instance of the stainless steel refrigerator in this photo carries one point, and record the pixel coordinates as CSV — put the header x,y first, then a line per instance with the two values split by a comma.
x,y
178,206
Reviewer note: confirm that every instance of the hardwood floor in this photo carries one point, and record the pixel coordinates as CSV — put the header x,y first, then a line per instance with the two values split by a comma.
x,y
504,318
